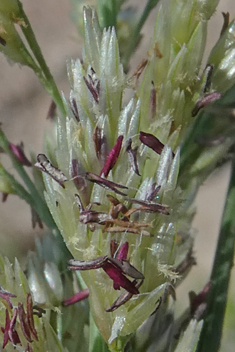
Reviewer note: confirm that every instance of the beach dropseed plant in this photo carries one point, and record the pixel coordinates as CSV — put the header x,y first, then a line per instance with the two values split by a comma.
x,y
121,167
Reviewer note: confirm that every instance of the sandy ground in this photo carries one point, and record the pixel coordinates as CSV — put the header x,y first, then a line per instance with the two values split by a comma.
x,y
23,108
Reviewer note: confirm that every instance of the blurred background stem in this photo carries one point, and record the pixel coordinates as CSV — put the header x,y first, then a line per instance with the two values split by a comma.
x,y
43,73
212,330
134,39
108,14
33,198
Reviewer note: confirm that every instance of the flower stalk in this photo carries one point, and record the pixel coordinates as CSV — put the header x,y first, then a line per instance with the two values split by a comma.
x,y
32,196
43,73
220,277
135,37
12,15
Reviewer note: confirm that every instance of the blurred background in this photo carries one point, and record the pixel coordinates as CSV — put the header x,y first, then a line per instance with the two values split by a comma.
x,y
23,109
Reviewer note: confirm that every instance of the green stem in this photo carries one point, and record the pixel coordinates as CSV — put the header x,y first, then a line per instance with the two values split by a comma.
x,y
35,200
96,342
46,79
39,203
107,12
208,124
212,330
17,188
134,38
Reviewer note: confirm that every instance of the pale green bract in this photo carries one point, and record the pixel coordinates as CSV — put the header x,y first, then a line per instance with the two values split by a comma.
x,y
179,83
106,103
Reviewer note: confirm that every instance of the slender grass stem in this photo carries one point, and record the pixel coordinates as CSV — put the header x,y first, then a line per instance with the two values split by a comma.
x,y
96,342
33,197
18,188
44,74
134,39
39,203
108,12
212,330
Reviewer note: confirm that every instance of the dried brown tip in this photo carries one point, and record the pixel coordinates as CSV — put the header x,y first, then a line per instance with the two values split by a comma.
x,y
157,51
44,165
51,111
140,68
225,23
2,41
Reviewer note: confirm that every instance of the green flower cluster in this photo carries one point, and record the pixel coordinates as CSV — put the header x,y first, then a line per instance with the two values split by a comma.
x,y
97,152
120,172
24,324
11,43
32,315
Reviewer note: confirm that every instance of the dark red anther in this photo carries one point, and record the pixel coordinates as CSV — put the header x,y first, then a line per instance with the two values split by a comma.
x,y
9,330
126,268
88,264
132,155
112,157
79,296
29,348
91,216
73,106
6,296
151,141
119,279
24,323
44,165
100,143
116,268
97,139
123,251
13,335
93,90
51,111
18,152
79,203
153,193
76,174
5,330
116,286
150,207
200,300
113,247
208,99
4,197
29,317
105,183
153,101
124,297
